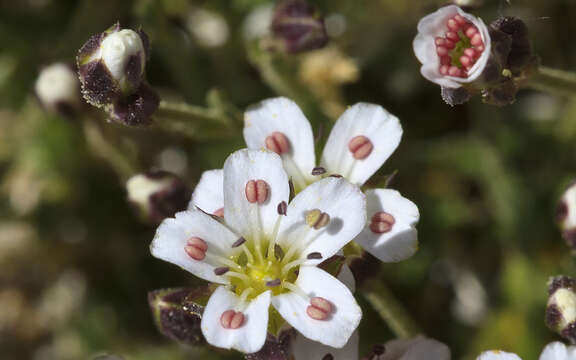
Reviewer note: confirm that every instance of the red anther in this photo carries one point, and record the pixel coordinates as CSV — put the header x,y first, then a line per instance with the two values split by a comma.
x,y
277,142
256,191
196,248
471,53
454,71
360,147
460,19
465,61
382,222
453,25
441,51
231,319
439,41
219,212
452,36
449,44
476,40
319,308
445,60
479,48
471,31
444,69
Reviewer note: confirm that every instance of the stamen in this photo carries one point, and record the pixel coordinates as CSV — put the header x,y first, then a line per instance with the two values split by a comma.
x,y
238,275
319,308
295,289
277,142
282,207
196,248
245,294
274,283
221,270
239,242
336,176
278,252
314,256
382,222
219,212
360,146
318,171
317,219
291,265
222,260
256,191
231,319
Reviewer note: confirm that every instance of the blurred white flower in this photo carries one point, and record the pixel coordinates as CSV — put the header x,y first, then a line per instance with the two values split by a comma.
x,y
553,351
209,28
453,47
58,89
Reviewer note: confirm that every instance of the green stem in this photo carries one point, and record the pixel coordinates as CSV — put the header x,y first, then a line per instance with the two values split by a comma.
x,y
186,111
390,310
555,81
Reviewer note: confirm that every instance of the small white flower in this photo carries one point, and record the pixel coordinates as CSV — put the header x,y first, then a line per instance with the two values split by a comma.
x,y
360,142
553,351
264,251
57,86
566,215
209,28
453,47
417,348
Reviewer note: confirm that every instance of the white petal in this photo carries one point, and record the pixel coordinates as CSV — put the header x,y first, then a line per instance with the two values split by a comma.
x,y
372,121
334,331
252,219
417,348
283,115
250,337
342,201
173,234
304,349
209,193
497,355
478,68
401,241
558,351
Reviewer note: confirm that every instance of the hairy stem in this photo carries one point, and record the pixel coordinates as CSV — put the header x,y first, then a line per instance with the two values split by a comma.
x,y
390,310
554,81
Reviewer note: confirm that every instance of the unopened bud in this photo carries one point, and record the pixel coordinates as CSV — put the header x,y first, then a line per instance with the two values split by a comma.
x,y
298,25
158,194
58,90
176,314
566,216
520,52
561,307
111,68
457,96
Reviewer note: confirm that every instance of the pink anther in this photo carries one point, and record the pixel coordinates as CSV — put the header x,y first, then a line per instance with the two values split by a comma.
x,y
256,191
277,142
219,212
231,319
382,222
196,248
319,308
360,147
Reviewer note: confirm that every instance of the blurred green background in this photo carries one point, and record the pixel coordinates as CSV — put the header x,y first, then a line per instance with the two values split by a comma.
x,y
74,261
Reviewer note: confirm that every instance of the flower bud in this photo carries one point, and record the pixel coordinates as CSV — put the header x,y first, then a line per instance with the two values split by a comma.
x,y
561,308
177,315
519,53
158,194
566,216
111,68
299,27
58,90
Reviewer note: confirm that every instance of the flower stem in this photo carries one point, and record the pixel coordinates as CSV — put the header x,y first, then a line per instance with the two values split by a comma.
x,y
554,81
191,112
390,310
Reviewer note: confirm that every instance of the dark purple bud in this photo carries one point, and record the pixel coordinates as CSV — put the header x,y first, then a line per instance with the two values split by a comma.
x,y
177,315
136,109
158,194
520,50
98,86
501,94
560,313
298,26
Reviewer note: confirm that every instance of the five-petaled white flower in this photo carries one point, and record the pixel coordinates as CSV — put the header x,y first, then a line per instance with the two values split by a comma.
x,y
553,351
264,251
453,47
361,141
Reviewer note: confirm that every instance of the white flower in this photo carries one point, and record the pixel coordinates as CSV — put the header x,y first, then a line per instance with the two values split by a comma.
x,y
453,47
118,48
553,351
360,142
57,86
417,348
264,251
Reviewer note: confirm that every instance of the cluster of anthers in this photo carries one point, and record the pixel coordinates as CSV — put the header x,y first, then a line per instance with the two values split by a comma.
x,y
460,47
